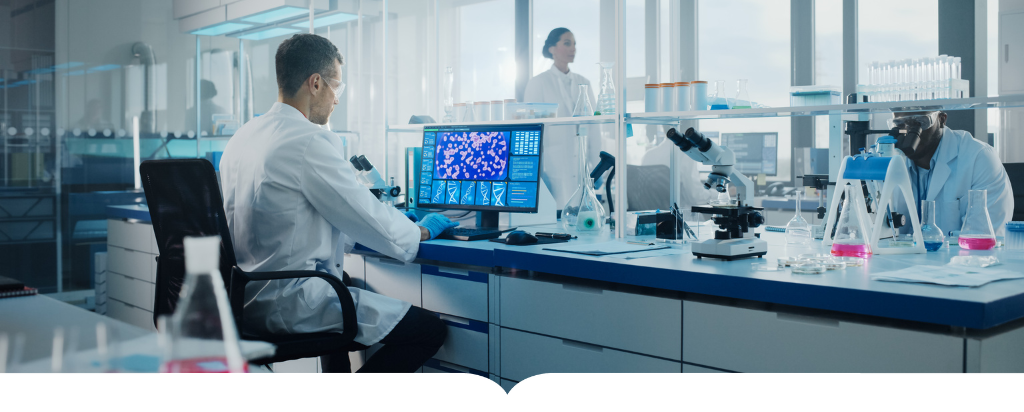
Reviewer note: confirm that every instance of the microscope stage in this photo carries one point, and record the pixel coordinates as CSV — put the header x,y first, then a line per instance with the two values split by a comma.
x,y
729,249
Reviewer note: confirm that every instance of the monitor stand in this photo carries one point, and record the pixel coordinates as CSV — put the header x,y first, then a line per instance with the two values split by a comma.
x,y
487,219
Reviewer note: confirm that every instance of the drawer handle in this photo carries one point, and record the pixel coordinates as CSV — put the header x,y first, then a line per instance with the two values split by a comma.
x,y
454,319
581,345
456,272
584,289
391,262
810,320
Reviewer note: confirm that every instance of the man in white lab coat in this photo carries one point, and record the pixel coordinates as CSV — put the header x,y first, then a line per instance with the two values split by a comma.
x,y
293,203
945,165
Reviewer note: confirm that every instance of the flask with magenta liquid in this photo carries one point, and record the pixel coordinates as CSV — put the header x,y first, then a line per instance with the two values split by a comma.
x,y
851,237
977,233
933,237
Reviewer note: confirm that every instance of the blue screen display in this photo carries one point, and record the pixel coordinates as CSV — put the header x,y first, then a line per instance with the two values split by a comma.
x,y
481,168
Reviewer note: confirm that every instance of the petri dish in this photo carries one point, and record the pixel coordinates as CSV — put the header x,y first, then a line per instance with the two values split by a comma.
x,y
766,267
851,261
788,261
809,268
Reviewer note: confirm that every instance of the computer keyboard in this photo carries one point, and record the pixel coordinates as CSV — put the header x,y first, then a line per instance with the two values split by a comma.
x,y
469,234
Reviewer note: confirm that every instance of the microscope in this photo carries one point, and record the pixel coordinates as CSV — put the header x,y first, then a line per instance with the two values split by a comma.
x,y
736,239
369,177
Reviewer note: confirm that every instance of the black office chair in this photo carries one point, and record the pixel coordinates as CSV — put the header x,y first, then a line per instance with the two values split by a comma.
x,y
184,200
1015,171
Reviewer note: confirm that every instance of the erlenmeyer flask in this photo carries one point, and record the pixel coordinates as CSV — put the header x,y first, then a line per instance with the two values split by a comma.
x,y
719,101
467,116
851,237
798,231
591,216
742,100
606,100
977,233
571,210
933,237
583,106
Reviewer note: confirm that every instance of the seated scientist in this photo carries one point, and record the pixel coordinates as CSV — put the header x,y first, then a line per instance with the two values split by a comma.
x,y
293,203
945,165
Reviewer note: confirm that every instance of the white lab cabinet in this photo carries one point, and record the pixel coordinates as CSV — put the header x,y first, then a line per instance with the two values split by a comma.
x,y
526,354
394,278
131,272
456,292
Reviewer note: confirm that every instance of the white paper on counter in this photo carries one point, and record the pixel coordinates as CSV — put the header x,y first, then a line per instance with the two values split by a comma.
x,y
948,275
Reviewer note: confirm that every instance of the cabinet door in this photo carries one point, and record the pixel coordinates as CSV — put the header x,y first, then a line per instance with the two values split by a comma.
x,y
394,278
455,292
525,354
1011,53
466,344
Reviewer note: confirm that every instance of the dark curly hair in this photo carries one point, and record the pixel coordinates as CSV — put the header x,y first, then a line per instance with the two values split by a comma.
x,y
552,40
302,55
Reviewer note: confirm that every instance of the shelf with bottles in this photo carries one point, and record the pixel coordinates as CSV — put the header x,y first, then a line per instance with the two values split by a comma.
x,y
973,103
416,128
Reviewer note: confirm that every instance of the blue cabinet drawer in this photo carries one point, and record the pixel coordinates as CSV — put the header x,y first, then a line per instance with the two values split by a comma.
x,y
466,344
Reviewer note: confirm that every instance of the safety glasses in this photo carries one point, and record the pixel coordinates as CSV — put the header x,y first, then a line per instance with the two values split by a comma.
x,y
924,121
336,89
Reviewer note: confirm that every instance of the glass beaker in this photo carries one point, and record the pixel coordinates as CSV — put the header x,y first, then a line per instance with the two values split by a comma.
x,y
933,237
851,237
449,100
201,332
606,100
798,231
977,233
718,100
583,106
742,100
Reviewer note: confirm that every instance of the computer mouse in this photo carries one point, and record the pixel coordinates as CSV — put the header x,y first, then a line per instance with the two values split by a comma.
x,y
520,237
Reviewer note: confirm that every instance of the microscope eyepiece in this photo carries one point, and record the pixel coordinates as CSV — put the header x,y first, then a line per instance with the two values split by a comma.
x,y
678,140
355,163
698,139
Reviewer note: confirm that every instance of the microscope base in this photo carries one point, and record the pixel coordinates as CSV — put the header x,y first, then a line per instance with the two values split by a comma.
x,y
729,249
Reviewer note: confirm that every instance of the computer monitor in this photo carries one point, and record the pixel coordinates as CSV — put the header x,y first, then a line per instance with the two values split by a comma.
x,y
756,153
493,168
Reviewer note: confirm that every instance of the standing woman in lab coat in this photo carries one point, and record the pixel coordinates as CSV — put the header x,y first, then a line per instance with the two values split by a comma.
x,y
559,85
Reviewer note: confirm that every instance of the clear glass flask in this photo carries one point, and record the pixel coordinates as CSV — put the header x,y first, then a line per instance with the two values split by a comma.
x,y
449,100
742,100
852,233
932,233
606,100
202,333
977,233
468,115
583,106
583,213
718,100
798,231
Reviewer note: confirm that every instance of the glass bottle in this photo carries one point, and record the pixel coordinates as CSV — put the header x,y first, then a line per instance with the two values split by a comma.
x,y
718,100
851,237
606,100
583,106
449,100
202,334
742,100
933,237
977,233
798,231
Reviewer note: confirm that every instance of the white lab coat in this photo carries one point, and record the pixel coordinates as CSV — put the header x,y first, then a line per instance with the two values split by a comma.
x,y
962,164
293,203
691,189
559,167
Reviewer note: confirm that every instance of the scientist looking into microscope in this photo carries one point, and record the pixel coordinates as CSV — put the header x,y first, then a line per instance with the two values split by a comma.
x,y
562,86
945,164
293,203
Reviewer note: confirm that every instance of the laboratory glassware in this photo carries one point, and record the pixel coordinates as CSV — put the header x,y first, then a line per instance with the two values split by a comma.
x,y
718,100
583,213
201,332
449,100
1015,235
606,100
497,110
798,231
933,237
977,233
468,115
668,97
742,100
851,238
651,101
583,106
699,91
482,111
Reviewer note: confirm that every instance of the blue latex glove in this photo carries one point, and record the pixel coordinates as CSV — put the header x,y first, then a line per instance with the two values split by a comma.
x,y
412,216
436,224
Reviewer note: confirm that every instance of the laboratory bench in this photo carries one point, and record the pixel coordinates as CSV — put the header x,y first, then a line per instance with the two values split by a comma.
x,y
518,311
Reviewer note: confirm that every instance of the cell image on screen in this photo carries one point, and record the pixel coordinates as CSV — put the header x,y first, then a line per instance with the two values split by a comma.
x,y
471,155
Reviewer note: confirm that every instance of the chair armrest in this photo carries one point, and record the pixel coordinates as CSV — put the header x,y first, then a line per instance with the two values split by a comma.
x,y
240,278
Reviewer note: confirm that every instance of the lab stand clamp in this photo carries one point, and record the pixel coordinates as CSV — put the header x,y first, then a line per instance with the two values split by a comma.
x,y
885,166
736,239
369,177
